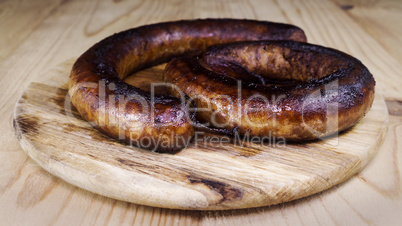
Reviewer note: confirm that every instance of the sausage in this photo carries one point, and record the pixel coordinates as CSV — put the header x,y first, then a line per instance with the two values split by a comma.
x,y
157,122
322,91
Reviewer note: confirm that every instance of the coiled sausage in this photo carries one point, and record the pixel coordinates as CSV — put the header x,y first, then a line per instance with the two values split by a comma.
x,y
124,112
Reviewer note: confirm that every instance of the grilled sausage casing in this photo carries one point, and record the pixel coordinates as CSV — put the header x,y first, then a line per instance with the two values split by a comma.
x,y
322,91
124,112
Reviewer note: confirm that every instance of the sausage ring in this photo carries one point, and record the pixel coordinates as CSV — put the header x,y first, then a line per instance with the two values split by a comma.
x,y
127,113
332,91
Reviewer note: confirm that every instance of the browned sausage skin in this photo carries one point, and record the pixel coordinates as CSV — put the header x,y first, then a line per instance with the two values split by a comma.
x,y
127,113
333,90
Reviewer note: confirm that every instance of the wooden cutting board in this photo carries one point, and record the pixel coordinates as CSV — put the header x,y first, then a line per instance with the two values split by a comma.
x,y
206,176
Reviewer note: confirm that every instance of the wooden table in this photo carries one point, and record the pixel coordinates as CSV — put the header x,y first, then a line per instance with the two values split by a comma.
x,y
37,35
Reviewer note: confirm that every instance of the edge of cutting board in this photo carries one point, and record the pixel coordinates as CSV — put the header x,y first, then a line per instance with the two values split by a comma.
x,y
205,176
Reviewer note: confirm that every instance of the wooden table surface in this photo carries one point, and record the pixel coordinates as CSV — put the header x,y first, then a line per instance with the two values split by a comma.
x,y
37,35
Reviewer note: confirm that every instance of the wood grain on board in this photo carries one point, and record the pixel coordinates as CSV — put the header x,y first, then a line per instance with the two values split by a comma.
x,y
213,173
38,35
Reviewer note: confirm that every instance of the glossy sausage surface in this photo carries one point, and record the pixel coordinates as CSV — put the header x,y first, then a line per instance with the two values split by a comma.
x,y
156,122
322,91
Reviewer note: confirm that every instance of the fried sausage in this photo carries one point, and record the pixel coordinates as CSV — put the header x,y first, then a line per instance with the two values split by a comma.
x,y
124,112
323,91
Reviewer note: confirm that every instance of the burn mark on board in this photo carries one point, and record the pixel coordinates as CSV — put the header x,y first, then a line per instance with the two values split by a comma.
x,y
26,125
346,7
133,164
228,192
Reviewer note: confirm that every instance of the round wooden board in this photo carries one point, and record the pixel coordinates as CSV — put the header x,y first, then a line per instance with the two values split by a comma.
x,y
209,175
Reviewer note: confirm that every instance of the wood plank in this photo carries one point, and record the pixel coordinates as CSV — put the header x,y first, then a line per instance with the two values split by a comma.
x,y
68,29
372,16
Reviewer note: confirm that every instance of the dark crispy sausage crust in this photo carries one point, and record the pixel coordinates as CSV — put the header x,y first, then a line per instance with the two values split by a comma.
x,y
130,114
333,92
